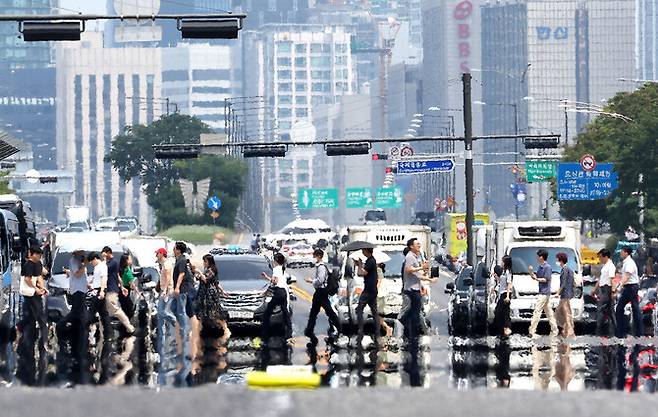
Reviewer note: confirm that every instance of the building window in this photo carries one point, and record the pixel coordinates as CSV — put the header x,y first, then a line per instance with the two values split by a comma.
x,y
320,61
174,75
300,87
284,47
285,74
284,112
301,112
211,74
341,73
300,48
302,164
301,74
316,48
324,87
285,87
283,62
300,62
210,90
341,60
341,47
300,100
321,75
342,87
284,125
285,99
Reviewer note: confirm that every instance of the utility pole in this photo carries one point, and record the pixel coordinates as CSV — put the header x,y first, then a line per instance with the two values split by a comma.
x,y
468,156
516,156
566,124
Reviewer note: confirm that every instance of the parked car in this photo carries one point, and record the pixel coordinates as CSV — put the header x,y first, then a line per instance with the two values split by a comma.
x,y
459,303
240,276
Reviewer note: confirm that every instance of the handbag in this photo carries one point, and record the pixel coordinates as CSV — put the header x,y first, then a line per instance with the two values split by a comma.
x,y
24,289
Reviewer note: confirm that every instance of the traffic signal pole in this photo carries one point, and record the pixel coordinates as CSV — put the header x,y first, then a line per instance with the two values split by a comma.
x,y
468,157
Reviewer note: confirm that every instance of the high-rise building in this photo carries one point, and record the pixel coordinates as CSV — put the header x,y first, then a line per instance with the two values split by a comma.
x,y
197,79
14,52
262,12
295,68
537,54
451,45
27,88
100,92
647,39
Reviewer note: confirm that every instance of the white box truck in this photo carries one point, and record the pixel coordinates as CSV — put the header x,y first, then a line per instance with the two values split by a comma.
x,y
521,241
391,240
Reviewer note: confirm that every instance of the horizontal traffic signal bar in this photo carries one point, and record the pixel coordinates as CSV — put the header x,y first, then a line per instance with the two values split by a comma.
x,y
541,143
379,156
273,151
362,148
177,151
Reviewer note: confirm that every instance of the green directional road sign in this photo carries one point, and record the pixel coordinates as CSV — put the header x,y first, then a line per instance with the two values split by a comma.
x,y
317,198
540,171
388,197
358,197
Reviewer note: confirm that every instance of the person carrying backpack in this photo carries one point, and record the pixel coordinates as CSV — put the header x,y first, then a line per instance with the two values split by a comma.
x,y
320,282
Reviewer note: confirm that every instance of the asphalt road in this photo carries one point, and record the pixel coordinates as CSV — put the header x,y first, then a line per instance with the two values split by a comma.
x,y
238,402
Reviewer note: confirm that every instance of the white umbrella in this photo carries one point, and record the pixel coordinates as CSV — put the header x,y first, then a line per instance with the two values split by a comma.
x,y
380,257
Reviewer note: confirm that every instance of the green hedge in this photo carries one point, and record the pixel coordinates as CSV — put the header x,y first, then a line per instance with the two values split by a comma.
x,y
201,235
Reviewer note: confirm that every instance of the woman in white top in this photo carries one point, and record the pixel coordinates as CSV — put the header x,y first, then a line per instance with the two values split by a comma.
x,y
279,289
502,313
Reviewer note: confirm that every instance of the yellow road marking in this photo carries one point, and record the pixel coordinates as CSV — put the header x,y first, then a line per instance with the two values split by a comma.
x,y
301,293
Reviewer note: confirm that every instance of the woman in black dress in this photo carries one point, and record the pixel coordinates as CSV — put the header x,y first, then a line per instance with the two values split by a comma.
x,y
208,302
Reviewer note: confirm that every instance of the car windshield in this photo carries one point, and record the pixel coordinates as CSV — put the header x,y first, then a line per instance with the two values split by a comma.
x,y
126,226
523,257
394,265
297,231
375,216
459,285
61,261
238,268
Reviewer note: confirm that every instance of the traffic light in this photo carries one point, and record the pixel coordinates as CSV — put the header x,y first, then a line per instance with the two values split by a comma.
x,y
44,180
359,148
177,151
541,143
392,170
379,156
210,29
273,151
51,31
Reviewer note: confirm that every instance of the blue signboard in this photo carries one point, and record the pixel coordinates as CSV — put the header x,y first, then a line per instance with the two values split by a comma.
x,y
427,166
574,183
214,203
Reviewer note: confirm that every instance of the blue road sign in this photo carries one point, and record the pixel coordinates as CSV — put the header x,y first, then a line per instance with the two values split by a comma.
x,y
214,203
425,166
574,183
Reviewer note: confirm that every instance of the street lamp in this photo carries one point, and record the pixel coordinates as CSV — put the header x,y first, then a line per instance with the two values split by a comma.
x,y
515,77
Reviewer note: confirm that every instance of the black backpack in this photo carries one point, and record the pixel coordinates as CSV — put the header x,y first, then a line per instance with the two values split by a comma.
x,y
333,280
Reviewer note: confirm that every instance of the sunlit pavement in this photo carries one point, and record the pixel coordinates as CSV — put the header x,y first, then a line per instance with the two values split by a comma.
x,y
582,364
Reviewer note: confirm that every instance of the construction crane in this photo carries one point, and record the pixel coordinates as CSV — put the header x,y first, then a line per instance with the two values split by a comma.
x,y
387,42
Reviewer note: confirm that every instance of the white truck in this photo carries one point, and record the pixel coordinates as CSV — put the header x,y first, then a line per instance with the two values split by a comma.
x,y
391,240
78,218
521,241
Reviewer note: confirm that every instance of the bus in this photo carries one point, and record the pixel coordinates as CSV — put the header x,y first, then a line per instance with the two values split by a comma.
x,y
10,268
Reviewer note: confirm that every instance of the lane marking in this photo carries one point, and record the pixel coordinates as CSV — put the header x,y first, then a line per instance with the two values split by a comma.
x,y
301,293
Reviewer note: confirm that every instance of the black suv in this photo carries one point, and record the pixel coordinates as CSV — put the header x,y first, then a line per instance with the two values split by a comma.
x,y
459,304
240,275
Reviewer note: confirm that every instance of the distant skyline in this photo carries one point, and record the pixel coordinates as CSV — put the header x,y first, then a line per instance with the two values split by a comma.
x,y
84,6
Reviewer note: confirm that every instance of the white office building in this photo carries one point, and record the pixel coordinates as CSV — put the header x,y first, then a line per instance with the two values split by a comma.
x,y
197,79
297,67
100,92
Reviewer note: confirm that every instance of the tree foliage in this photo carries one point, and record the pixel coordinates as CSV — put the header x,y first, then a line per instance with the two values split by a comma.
x,y
632,146
132,156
